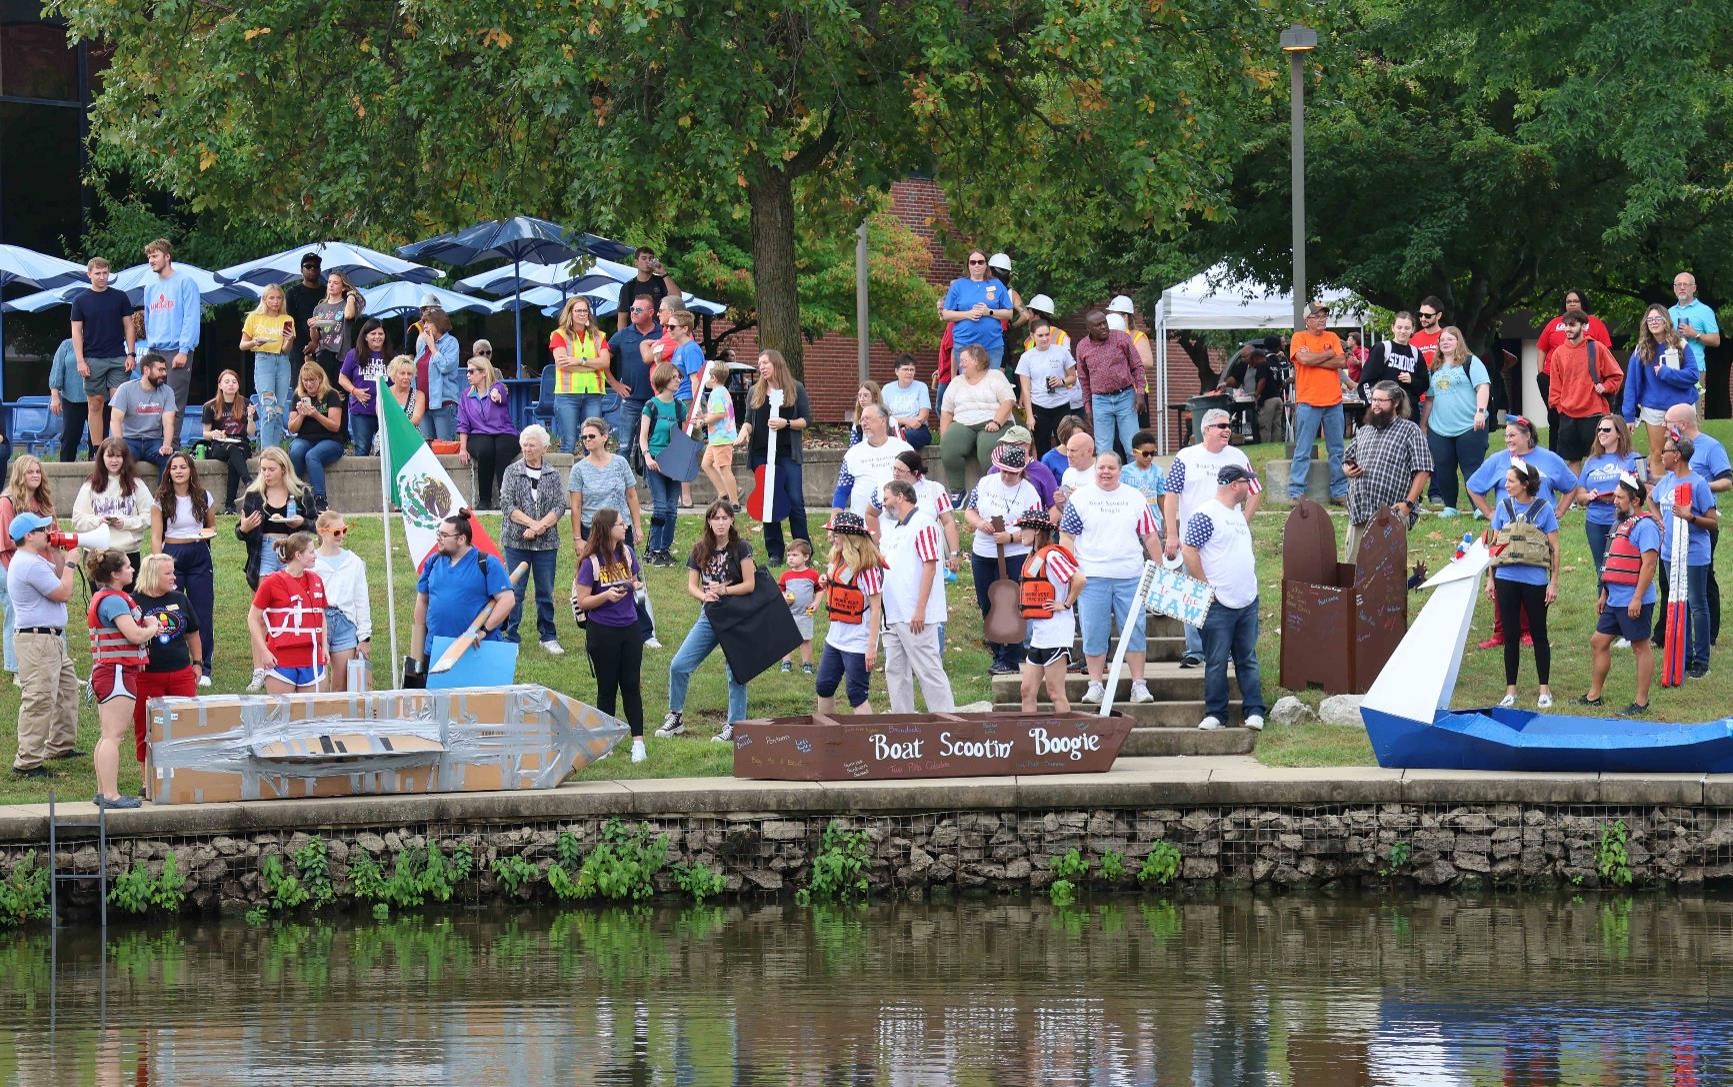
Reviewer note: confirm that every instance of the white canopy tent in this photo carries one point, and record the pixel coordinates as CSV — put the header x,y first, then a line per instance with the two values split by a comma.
x,y
1217,300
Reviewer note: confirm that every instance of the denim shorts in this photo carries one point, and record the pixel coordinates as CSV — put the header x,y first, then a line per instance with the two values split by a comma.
x,y
1102,608
340,630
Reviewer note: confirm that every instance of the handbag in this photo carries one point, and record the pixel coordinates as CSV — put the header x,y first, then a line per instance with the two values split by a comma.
x,y
1175,593
679,461
1004,623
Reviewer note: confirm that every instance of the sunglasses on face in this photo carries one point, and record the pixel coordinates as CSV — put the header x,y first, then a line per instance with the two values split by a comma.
x,y
1144,452
1605,430
972,260
1428,316
338,531
1218,426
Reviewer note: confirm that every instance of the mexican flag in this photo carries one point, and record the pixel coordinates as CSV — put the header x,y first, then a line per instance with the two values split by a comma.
x,y
417,483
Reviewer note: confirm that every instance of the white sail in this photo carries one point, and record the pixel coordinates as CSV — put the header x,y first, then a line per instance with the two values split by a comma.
x,y
1420,676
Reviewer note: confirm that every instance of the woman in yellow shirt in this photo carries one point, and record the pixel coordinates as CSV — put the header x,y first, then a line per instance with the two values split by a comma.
x,y
268,333
581,362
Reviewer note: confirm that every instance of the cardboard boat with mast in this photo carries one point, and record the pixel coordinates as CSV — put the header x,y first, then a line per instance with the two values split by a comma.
x,y
1411,725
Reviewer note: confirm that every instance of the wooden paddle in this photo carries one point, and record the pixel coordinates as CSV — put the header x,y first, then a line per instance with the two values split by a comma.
x,y
472,637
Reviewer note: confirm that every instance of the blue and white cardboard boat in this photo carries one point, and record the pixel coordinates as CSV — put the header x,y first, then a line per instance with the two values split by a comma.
x,y
1409,720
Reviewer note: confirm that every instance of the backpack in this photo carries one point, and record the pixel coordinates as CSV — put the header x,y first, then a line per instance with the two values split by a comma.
x,y
1521,542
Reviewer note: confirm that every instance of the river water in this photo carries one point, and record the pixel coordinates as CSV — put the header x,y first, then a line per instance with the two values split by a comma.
x,y
1336,992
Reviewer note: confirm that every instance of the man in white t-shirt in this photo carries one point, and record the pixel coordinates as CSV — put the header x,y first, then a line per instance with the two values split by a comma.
x,y
866,466
1218,550
1079,466
1191,481
1110,529
914,603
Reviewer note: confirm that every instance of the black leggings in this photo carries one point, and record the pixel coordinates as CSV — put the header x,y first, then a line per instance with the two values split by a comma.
x,y
492,454
1514,598
617,658
234,454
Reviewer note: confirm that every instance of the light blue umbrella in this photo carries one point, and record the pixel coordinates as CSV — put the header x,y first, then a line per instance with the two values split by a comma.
x,y
31,269
398,297
363,266
134,280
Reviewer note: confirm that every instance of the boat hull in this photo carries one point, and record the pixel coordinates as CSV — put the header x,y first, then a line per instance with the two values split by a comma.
x,y
1523,740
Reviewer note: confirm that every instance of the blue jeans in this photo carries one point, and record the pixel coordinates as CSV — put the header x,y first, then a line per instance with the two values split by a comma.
x,y
542,567
791,485
625,423
664,508
1101,610
700,640
1116,417
11,623
271,382
362,430
570,411
440,424
1598,536
1464,453
1231,632
1307,419
312,458
1697,612
1193,642
918,437
148,451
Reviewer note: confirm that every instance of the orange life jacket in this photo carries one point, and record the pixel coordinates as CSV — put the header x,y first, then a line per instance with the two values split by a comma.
x,y
846,603
107,644
1624,559
1036,592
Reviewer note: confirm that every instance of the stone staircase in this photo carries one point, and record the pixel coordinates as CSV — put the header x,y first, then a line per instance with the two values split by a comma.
x,y
1167,726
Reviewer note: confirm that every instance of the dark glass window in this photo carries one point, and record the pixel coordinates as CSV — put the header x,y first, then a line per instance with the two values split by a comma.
x,y
35,58
39,195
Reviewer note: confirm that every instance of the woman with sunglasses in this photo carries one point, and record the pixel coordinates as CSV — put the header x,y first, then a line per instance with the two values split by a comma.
x,y
581,359
484,429
976,305
601,479
1612,457
348,611
1662,371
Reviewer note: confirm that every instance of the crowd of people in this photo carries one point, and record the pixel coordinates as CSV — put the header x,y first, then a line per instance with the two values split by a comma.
x,y
1048,462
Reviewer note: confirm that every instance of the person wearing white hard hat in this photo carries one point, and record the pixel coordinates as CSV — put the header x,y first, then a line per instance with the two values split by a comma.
x,y
1120,312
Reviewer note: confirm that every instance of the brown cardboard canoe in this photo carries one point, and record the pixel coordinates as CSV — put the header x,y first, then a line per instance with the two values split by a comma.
x,y
927,745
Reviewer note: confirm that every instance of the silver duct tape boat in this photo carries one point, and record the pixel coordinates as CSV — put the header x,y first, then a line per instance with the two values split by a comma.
x,y
273,747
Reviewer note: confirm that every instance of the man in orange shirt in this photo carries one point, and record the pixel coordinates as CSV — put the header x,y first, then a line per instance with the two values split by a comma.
x,y
1585,378
1318,361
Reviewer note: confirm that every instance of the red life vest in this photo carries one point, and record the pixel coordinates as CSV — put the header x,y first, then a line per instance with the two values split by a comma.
x,y
107,644
1036,593
845,602
1624,559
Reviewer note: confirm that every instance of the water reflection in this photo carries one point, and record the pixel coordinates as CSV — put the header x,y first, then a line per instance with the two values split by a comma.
x,y
1293,991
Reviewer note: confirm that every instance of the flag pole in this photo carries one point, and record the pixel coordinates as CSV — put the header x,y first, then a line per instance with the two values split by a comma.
x,y
379,395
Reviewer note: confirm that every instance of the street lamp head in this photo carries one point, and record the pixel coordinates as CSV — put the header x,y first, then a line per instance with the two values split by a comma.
x,y
1299,39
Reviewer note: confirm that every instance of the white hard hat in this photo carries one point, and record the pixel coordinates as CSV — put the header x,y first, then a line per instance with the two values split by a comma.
x,y
999,260
1121,304
1041,304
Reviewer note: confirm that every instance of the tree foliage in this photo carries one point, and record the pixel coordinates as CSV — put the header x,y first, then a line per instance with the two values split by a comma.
x,y
733,121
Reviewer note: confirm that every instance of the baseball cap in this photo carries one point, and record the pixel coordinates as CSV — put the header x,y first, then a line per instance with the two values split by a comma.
x,y
1234,473
999,260
1019,434
1121,304
312,259
25,523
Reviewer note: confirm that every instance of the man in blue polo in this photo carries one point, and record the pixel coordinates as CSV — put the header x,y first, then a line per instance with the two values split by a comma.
x,y
633,369
1695,321
1709,460
456,585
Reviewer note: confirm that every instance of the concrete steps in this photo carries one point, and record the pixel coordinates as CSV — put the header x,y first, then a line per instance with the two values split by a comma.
x,y
1189,741
1166,680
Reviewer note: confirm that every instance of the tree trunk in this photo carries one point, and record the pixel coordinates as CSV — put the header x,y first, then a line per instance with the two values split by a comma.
x,y
1197,350
771,192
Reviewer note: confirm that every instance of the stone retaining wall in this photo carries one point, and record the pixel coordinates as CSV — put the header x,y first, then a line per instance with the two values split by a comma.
x,y
1435,846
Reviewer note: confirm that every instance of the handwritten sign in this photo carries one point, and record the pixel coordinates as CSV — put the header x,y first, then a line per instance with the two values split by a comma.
x,y
927,745
1176,593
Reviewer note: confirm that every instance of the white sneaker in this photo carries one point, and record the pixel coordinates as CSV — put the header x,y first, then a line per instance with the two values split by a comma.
x,y
726,736
1140,694
258,681
1507,702
1622,643
1255,722
554,648
1210,723
638,752
1544,702
1095,693
672,725
204,681
652,643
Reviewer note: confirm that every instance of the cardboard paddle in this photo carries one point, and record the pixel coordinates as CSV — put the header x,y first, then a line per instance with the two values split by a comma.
x,y
470,637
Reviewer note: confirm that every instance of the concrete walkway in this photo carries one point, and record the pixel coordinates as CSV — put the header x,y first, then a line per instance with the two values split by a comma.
x,y
1209,781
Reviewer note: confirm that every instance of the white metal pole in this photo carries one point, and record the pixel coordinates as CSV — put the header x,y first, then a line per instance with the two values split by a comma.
x,y
379,395
1137,613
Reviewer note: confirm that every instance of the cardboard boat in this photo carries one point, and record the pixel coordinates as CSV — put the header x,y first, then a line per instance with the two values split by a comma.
x,y
846,747
273,747
1411,725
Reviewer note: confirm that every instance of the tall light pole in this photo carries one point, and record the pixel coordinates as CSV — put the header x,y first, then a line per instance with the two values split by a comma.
x,y
1297,41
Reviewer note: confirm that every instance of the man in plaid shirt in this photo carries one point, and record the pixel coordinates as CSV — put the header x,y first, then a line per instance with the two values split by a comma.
x,y
1388,464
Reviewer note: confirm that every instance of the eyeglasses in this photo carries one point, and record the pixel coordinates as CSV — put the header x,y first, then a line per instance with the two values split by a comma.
x,y
445,535
1381,400
1656,318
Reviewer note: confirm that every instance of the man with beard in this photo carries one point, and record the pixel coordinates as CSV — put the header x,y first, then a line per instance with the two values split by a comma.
x,y
1387,466
1627,598
1585,377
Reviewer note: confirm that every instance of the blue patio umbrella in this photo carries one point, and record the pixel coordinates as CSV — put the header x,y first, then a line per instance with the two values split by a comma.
x,y
29,268
363,266
403,298
518,239
132,281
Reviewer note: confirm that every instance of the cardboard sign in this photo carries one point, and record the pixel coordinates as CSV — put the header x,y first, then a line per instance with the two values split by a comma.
x,y
1177,594
489,664
920,745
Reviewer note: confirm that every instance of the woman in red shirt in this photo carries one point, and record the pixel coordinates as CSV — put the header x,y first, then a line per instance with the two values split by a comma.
x,y
287,620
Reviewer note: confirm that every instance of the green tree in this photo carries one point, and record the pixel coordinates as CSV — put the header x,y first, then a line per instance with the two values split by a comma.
x,y
376,121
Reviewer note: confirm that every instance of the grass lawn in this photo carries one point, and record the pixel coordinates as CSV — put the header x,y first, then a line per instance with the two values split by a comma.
x,y
1481,682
